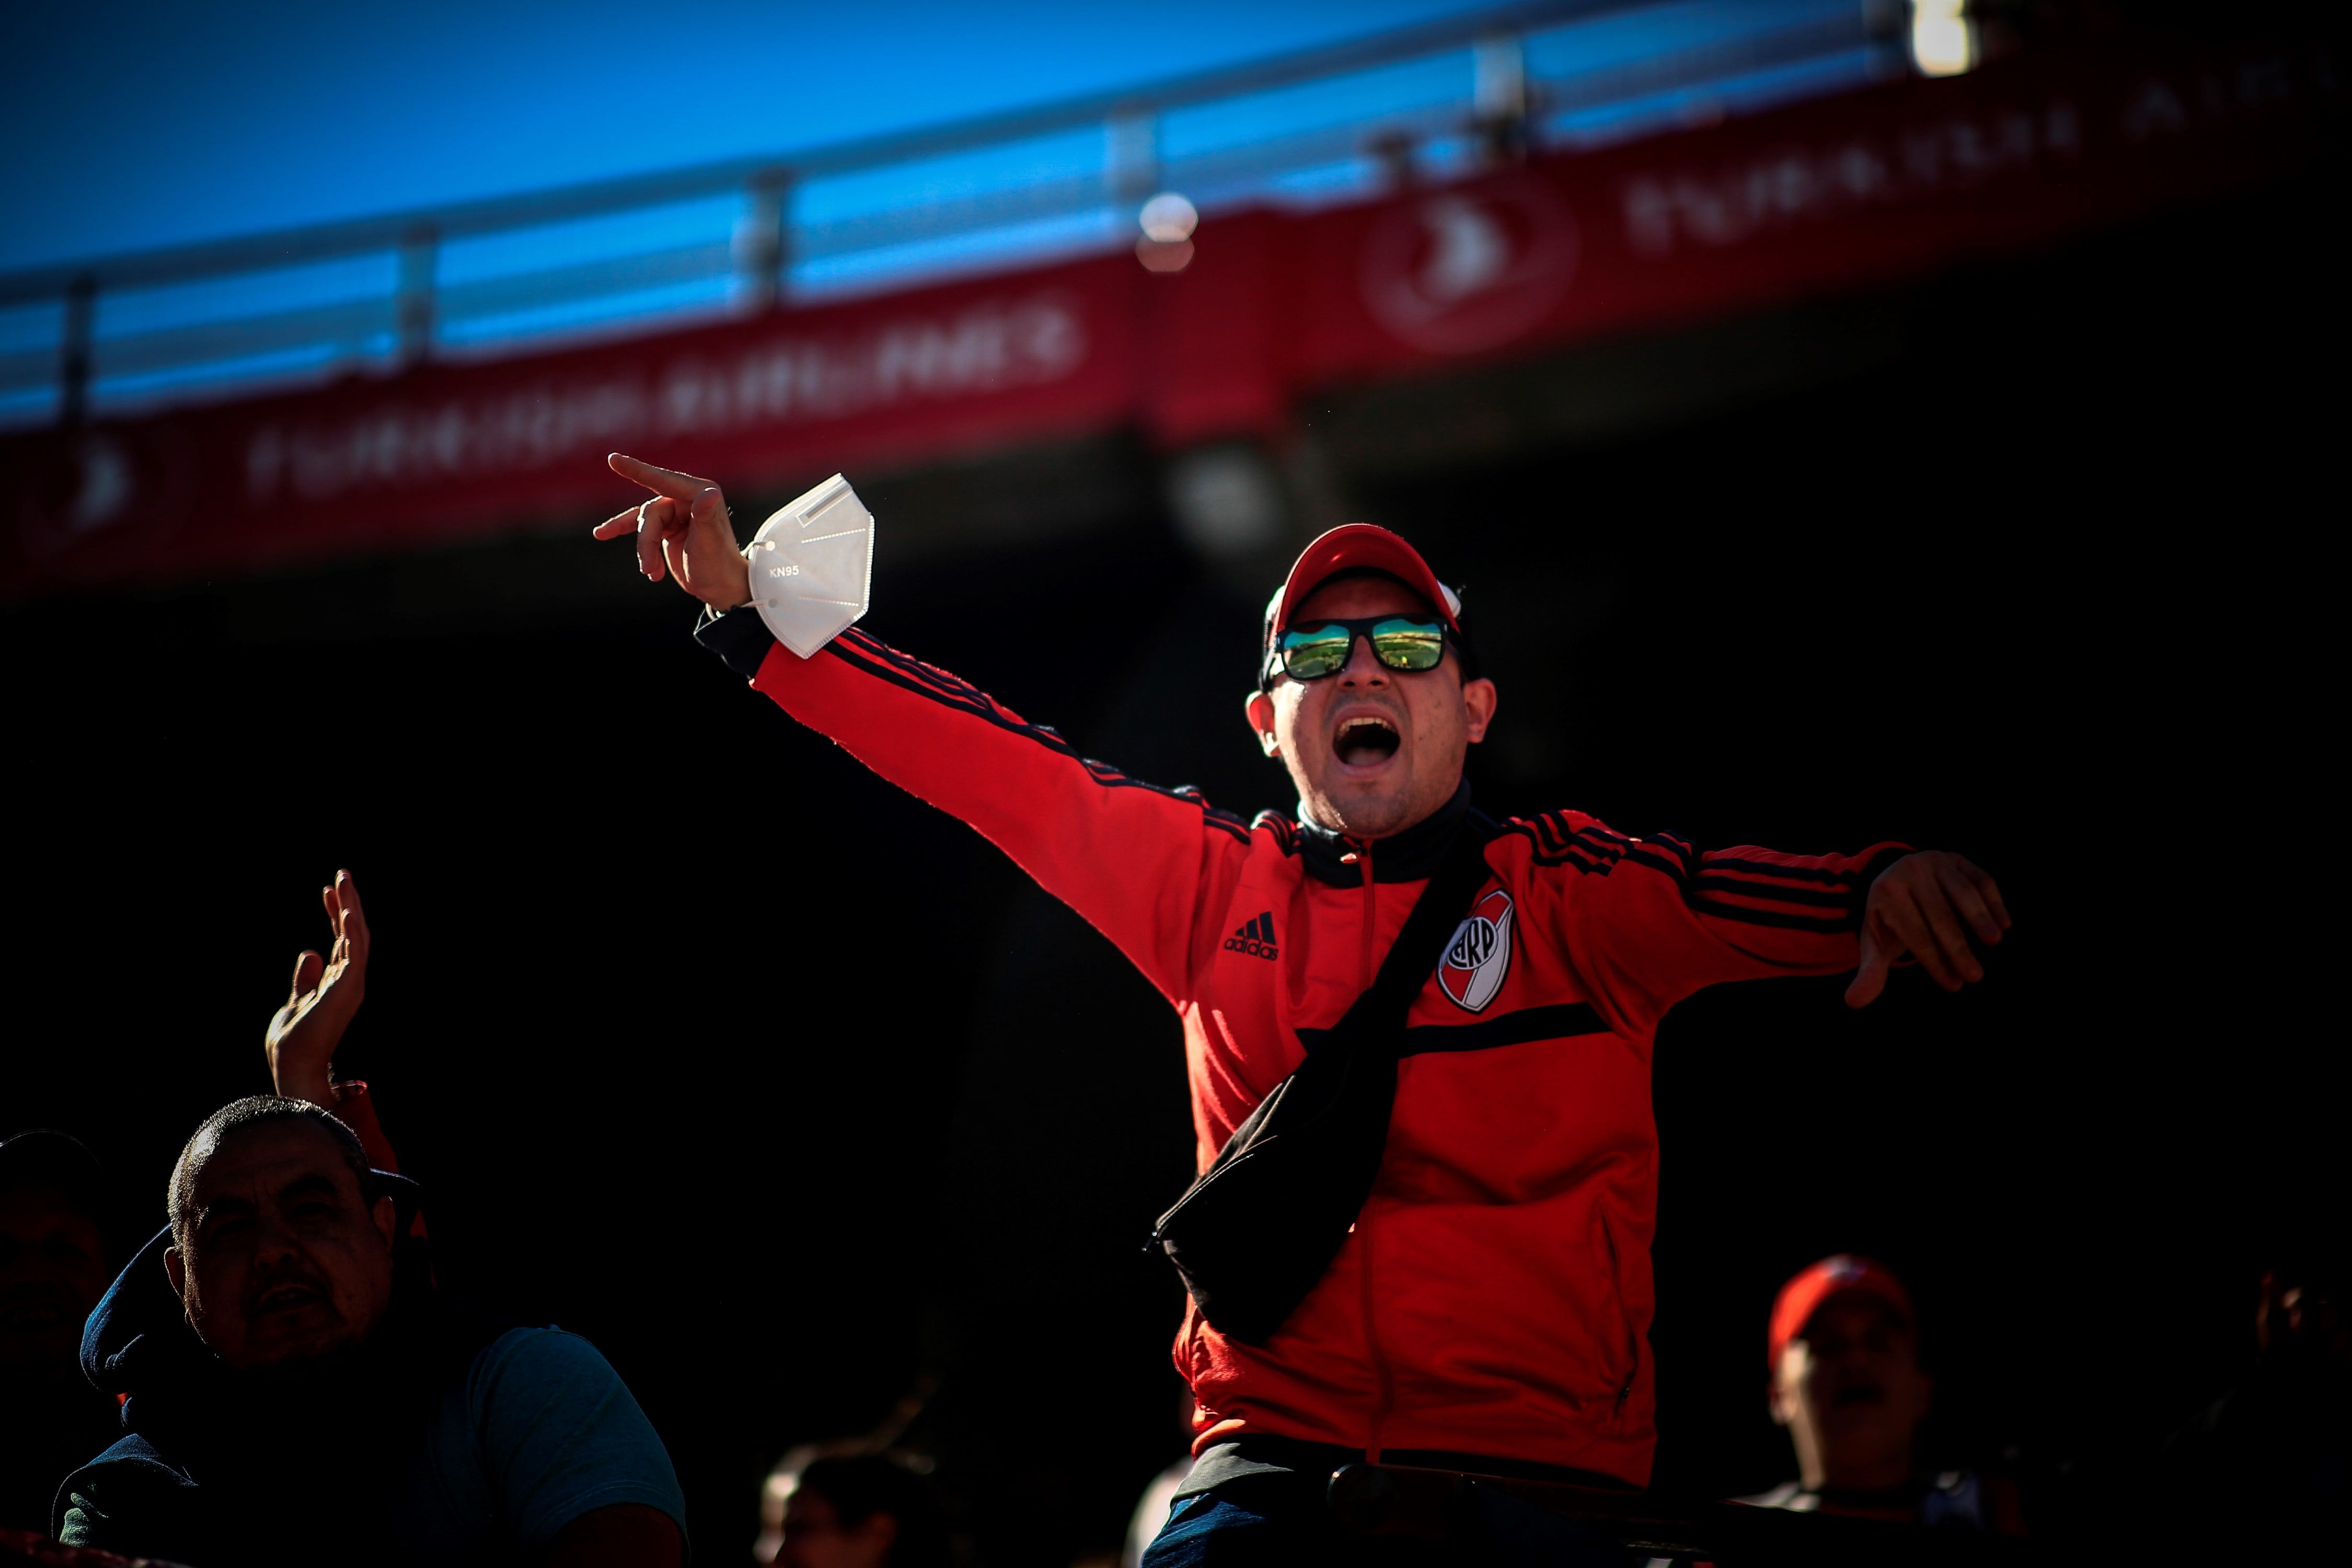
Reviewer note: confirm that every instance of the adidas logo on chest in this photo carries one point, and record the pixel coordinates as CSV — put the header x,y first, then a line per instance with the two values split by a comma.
x,y
1254,937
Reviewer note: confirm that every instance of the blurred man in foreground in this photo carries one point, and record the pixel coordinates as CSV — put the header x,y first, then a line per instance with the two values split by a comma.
x,y
851,1511
53,1269
1843,1355
1483,1300
295,1390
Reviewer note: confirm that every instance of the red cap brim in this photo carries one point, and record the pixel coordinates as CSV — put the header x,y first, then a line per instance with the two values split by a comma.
x,y
1356,547
1802,1297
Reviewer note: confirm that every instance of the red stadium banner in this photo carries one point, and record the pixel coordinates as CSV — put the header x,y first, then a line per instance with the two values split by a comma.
x,y
1826,196
455,449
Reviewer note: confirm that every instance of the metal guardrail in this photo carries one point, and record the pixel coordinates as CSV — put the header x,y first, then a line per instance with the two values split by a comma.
x,y
655,252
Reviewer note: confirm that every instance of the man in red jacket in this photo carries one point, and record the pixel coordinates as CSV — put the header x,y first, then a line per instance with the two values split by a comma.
x,y
1490,1308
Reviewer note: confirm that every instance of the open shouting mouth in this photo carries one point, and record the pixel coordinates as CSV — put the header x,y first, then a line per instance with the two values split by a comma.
x,y
1854,1394
1365,740
288,1296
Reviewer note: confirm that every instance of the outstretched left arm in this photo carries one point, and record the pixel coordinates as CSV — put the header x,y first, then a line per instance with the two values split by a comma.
x,y
1648,921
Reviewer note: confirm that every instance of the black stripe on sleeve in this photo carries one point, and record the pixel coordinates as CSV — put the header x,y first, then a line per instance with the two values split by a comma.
x,y
1845,879
1285,831
1607,848
1552,844
1843,921
1846,890
1708,882
1643,855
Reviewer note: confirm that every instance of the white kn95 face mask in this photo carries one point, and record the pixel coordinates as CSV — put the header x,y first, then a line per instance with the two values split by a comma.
x,y
813,566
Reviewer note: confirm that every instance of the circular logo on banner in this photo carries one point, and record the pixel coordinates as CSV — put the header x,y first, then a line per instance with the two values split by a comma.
x,y
100,498
1457,271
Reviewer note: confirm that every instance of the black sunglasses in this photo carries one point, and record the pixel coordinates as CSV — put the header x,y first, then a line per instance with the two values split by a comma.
x,y
1399,642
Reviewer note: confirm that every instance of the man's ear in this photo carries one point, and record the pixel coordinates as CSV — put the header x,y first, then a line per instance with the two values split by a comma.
x,y
1478,707
1260,709
386,1217
176,1269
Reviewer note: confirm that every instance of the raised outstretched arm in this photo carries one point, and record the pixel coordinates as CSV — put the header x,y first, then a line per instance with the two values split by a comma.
x,y
1134,860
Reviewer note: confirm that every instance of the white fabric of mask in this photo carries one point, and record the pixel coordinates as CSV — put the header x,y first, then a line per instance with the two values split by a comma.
x,y
813,566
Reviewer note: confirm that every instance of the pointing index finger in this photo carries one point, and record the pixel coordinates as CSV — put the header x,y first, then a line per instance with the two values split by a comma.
x,y
661,481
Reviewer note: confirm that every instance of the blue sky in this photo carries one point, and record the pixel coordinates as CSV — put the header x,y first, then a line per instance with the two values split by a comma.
x,y
129,125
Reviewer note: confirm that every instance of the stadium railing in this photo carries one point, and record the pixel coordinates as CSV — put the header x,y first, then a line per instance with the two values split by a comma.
x,y
659,251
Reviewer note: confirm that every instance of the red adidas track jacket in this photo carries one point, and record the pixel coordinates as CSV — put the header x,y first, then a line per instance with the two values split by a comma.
x,y
1495,1298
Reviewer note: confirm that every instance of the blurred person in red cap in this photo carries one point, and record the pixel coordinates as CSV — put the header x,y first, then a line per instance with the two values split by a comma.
x,y
1483,1300
1842,1353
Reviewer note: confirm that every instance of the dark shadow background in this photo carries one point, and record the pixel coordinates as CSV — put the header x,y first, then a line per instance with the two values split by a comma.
x,y
790,1094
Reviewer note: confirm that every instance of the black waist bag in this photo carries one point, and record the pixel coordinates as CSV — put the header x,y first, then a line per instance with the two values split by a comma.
x,y
1254,1233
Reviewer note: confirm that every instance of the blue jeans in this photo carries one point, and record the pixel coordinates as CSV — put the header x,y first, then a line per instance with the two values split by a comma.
x,y
1281,1522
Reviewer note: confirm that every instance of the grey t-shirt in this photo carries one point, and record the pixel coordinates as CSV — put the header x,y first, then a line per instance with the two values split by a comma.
x,y
541,1430
538,1431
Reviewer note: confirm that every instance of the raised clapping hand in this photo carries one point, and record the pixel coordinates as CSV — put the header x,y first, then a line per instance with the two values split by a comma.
x,y
685,529
1926,905
304,1034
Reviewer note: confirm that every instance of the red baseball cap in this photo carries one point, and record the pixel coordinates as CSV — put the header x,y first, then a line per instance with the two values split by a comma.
x,y
1802,1296
1358,547
1361,547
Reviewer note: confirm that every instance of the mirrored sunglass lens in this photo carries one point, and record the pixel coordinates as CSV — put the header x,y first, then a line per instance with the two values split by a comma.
x,y
1306,655
1409,645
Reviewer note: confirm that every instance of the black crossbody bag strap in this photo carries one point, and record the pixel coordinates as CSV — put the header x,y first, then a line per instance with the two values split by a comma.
x,y
1414,955
1255,1232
